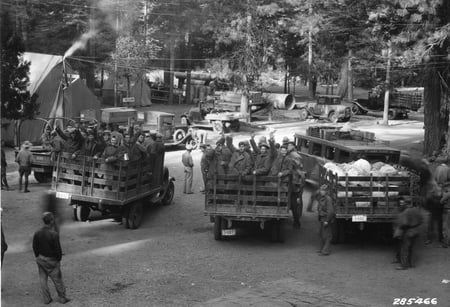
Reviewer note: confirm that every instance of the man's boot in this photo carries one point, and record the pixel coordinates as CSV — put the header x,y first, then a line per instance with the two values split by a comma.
x,y
26,187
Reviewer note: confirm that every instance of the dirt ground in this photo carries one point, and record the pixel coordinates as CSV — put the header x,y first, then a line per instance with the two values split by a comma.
x,y
173,259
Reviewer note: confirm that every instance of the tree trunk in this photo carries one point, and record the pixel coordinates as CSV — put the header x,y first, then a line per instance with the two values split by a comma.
x,y
343,82
435,118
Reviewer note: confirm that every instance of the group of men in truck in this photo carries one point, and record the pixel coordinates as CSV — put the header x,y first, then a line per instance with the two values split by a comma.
x,y
109,143
265,158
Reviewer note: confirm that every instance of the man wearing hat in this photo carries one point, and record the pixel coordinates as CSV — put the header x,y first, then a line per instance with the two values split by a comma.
x,y
263,161
282,165
406,231
204,163
222,155
73,142
241,162
298,183
24,160
90,146
188,163
48,253
159,143
327,217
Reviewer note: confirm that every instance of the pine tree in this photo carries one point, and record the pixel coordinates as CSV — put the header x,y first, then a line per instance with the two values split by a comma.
x,y
17,102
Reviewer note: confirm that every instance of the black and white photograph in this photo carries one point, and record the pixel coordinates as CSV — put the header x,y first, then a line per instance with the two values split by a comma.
x,y
225,153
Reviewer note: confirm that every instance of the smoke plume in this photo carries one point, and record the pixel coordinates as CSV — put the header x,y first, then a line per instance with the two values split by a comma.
x,y
80,43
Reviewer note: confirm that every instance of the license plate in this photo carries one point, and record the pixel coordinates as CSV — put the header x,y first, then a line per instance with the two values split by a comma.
x,y
228,232
62,195
39,158
38,169
359,218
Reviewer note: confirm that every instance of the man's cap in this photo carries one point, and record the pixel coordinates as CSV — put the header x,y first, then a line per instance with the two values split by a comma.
x,y
285,140
107,131
241,143
290,143
27,144
159,135
262,139
264,145
48,217
220,141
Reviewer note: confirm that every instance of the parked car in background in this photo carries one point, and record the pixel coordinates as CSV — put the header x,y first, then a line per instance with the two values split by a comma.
x,y
325,107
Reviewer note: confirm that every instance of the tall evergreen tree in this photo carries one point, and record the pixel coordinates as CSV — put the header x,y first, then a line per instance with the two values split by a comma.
x,y
17,102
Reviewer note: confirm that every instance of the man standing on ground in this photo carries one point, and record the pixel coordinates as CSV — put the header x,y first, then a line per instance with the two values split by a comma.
x,y
204,165
4,165
327,217
298,183
407,231
188,163
47,249
24,160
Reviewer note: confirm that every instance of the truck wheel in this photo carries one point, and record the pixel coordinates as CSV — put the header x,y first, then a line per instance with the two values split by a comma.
x,y
168,194
43,177
179,135
332,117
218,228
135,214
303,114
391,115
82,212
355,110
235,126
217,126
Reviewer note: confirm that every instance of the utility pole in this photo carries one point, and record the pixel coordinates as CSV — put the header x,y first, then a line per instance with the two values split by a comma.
x,y
116,57
350,77
388,81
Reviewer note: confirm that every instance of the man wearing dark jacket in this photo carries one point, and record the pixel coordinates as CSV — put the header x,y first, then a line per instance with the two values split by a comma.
x,y
241,162
48,253
327,217
263,161
73,142
298,183
407,231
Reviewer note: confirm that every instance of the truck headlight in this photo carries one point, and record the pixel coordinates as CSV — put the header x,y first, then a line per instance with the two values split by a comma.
x,y
227,124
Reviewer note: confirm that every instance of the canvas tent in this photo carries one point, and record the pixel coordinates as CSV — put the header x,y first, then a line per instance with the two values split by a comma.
x,y
46,81
139,90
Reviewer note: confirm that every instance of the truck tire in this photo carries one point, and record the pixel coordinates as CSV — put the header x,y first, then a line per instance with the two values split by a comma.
x,y
218,228
332,117
82,212
355,109
43,177
135,214
303,114
178,135
168,194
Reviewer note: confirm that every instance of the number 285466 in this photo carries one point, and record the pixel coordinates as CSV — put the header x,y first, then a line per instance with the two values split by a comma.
x,y
415,301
